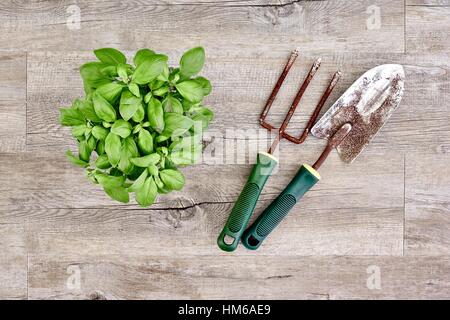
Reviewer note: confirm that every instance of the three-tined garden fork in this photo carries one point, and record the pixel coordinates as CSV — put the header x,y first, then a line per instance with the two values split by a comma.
x,y
231,234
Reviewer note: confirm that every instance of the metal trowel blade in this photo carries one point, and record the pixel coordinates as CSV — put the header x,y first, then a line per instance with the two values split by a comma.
x,y
367,105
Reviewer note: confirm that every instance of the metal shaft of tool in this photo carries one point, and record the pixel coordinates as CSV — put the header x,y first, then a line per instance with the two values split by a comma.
x,y
335,141
275,90
294,105
316,111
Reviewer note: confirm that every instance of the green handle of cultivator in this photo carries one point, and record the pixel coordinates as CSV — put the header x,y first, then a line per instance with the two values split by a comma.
x,y
245,204
305,178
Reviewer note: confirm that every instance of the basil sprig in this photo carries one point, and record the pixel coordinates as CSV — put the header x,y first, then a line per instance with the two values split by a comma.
x,y
139,122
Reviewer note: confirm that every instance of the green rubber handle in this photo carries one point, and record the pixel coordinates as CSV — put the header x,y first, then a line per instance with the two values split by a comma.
x,y
305,178
245,204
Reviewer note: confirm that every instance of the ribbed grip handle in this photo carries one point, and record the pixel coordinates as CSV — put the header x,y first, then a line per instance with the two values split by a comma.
x,y
245,204
305,178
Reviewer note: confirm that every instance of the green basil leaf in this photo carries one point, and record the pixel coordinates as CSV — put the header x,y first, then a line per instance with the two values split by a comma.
x,y
187,142
190,90
153,170
147,160
99,132
146,195
128,151
161,187
71,117
78,131
156,84
147,97
118,193
134,89
122,72
91,142
139,115
131,147
87,109
192,61
122,128
164,76
161,138
110,56
93,76
102,162
185,156
113,146
176,124
109,71
204,115
107,180
206,85
149,69
87,133
129,103
163,151
172,104
161,91
100,147
142,55
156,115
139,182
145,141
110,91
136,128
76,160
103,108
173,179
84,151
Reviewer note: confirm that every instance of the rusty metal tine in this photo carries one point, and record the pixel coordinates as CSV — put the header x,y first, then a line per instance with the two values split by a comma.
x,y
316,111
299,95
294,105
275,90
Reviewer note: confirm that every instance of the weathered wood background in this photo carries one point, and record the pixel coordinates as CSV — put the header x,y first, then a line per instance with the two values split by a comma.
x,y
386,215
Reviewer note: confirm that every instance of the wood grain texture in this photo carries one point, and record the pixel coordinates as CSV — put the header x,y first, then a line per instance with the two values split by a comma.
x,y
12,101
13,262
224,277
242,26
427,27
369,212
427,205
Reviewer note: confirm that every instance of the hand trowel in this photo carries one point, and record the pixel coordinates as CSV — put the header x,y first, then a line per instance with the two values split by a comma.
x,y
349,125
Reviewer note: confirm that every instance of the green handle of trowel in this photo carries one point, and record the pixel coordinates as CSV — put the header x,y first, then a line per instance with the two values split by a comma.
x,y
245,204
305,178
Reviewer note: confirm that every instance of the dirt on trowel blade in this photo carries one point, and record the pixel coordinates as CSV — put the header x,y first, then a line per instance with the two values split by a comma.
x,y
367,105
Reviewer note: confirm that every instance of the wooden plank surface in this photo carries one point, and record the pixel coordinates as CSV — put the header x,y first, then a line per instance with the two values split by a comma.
x,y
369,212
244,26
427,27
222,277
13,262
388,211
427,205
12,101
